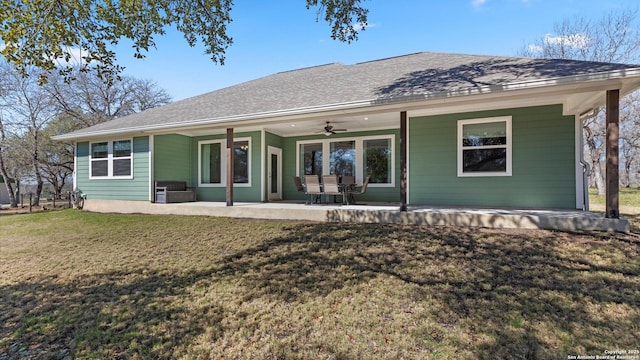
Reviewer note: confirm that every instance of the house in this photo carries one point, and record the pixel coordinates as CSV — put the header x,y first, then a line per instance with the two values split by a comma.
x,y
4,194
429,128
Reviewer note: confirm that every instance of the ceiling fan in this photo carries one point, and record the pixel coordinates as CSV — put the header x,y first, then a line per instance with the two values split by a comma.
x,y
329,130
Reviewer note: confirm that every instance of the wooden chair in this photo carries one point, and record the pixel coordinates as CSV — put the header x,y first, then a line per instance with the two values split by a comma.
x,y
331,187
363,189
313,189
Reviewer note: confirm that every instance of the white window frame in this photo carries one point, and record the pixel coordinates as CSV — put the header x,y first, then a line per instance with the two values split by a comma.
x,y
508,146
110,158
359,143
223,162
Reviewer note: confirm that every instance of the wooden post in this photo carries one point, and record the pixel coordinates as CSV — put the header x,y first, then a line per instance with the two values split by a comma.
x,y
612,143
229,166
403,161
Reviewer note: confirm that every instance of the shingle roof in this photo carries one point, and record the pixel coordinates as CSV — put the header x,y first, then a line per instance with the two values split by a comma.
x,y
391,79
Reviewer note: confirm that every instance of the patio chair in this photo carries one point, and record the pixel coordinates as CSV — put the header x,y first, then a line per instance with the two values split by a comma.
x,y
330,184
313,189
347,185
348,180
363,189
298,182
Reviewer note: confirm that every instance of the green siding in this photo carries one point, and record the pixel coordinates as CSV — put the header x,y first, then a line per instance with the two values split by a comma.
x,y
273,140
172,158
240,193
543,167
121,189
373,193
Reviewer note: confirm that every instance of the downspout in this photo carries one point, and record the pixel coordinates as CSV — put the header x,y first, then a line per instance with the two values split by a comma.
x,y
75,166
586,170
264,153
152,189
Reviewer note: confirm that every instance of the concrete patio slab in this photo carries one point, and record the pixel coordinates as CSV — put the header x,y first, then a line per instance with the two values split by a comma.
x,y
565,220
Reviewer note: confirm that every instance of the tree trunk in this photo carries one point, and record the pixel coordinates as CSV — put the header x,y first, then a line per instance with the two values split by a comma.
x,y
594,154
627,170
36,169
7,184
5,175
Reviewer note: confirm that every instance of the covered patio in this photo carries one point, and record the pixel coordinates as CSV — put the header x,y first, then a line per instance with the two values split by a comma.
x,y
563,220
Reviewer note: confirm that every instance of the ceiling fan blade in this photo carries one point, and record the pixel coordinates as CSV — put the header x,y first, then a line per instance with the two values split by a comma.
x,y
339,129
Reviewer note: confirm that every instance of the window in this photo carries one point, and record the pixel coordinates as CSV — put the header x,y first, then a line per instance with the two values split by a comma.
x,y
360,157
377,160
122,158
342,158
311,160
484,147
99,159
241,162
212,162
111,159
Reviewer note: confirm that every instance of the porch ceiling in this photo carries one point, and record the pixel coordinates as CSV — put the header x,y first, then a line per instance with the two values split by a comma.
x,y
313,126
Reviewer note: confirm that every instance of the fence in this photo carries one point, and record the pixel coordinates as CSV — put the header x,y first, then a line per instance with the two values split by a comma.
x,y
52,202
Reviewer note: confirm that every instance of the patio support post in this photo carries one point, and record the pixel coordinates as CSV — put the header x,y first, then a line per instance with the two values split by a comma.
x,y
229,166
613,136
403,161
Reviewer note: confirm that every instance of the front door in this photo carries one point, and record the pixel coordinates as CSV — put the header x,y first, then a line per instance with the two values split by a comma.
x,y
274,165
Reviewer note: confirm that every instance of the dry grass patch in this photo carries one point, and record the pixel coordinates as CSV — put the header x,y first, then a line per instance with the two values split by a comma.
x,y
82,285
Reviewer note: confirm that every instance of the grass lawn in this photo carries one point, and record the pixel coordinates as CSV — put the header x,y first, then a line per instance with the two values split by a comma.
x,y
82,285
629,199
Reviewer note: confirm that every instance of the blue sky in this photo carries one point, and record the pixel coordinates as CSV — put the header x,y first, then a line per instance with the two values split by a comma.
x,y
273,36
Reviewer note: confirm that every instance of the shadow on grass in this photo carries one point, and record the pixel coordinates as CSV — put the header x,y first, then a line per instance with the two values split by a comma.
x,y
511,294
496,285
113,315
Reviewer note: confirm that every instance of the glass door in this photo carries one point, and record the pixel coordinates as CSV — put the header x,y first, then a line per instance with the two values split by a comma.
x,y
274,166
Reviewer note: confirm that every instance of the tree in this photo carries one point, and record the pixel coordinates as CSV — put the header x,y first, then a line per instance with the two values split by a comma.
x,y
28,109
91,100
630,137
613,38
57,157
38,33
5,166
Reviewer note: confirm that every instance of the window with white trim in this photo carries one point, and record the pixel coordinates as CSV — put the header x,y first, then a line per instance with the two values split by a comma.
x,y
212,160
111,159
378,160
484,147
356,156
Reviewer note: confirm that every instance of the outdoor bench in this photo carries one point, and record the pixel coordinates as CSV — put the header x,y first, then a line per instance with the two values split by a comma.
x,y
173,192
